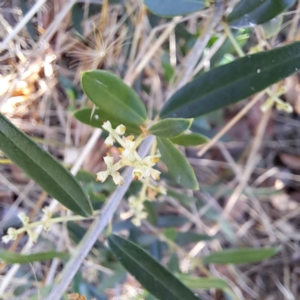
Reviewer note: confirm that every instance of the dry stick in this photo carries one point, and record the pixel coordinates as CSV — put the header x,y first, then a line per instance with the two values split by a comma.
x,y
247,172
22,23
294,25
42,43
130,78
230,124
212,51
136,36
252,159
259,171
96,229
191,60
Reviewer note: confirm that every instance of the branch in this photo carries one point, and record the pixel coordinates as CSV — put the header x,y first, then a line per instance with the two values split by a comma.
x,y
194,55
109,209
96,229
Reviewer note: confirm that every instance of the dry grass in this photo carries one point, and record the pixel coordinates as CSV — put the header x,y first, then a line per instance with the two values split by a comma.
x,y
251,177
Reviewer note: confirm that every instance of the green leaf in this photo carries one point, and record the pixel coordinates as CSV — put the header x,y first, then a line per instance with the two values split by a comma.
x,y
42,293
95,118
239,256
30,27
151,212
173,263
76,233
170,127
189,139
272,27
170,233
250,13
15,258
241,37
233,82
114,97
110,282
43,168
152,275
172,8
210,212
202,283
184,238
182,198
178,166
171,221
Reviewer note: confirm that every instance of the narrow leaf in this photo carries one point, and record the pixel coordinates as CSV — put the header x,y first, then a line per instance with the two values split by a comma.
x,y
272,27
173,263
95,118
202,283
183,238
178,166
170,127
189,139
239,256
15,258
43,168
250,13
114,97
233,82
30,27
152,275
172,8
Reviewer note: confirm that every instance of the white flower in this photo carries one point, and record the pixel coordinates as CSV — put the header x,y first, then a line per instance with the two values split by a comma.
x,y
114,134
144,169
107,126
120,130
155,174
137,221
6,239
47,218
32,236
109,141
24,219
112,170
150,160
129,155
12,235
135,204
137,210
162,190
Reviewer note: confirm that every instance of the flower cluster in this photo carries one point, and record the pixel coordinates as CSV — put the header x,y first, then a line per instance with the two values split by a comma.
x,y
143,168
274,100
12,233
137,210
279,104
136,204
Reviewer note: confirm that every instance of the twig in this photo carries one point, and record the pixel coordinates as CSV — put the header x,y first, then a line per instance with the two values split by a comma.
x,y
132,76
230,124
294,25
212,51
252,159
191,60
107,213
95,230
